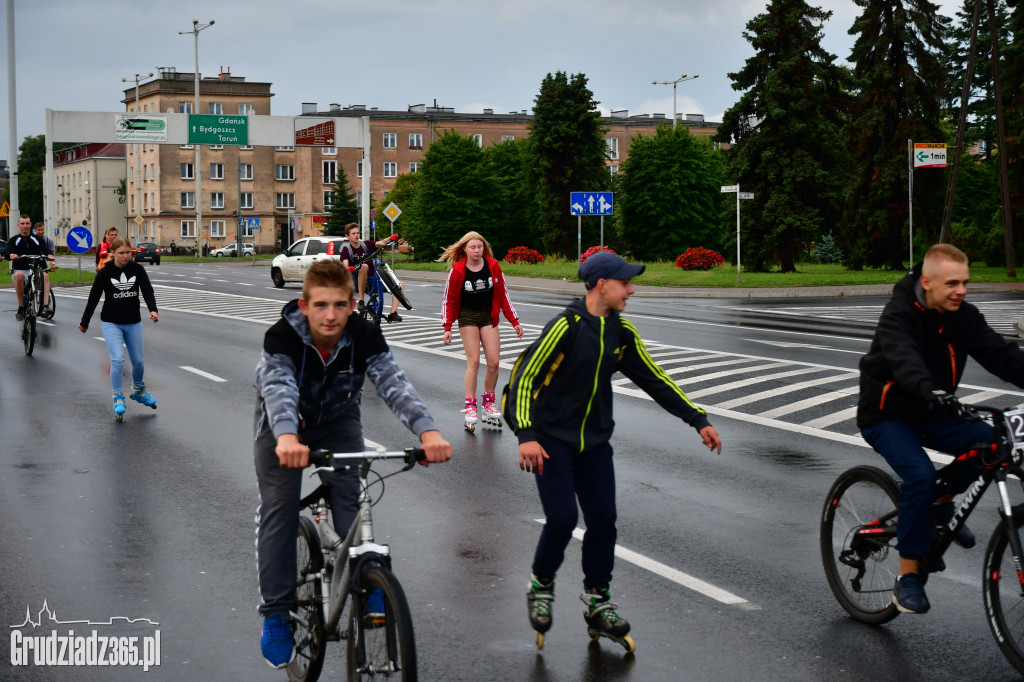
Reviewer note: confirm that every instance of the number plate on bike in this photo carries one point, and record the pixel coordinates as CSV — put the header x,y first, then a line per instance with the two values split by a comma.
x,y
1015,422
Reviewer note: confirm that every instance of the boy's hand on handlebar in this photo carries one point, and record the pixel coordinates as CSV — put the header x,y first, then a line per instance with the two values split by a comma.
x,y
711,439
291,453
532,456
951,405
436,448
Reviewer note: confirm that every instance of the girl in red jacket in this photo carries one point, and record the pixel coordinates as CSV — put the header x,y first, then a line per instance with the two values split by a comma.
x,y
473,295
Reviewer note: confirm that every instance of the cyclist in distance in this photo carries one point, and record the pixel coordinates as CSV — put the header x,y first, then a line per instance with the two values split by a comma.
x,y
26,244
353,252
309,382
907,383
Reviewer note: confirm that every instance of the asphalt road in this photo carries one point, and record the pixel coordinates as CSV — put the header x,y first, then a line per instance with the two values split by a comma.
x,y
152,518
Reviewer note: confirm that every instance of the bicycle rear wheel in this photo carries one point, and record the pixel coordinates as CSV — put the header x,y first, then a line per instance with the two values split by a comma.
x,y
858,543
392,285
28,332
1004,595
308,619
389,650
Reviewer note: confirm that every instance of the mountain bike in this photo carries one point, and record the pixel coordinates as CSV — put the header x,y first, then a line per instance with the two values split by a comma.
x,y
382,280
336,577
858,536
32,300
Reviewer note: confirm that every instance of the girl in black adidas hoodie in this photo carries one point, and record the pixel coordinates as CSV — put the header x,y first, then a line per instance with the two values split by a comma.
x,y
121,283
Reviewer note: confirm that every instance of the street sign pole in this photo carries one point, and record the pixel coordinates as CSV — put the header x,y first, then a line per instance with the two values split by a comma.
x,y
910,197
602,232
737,234
579,238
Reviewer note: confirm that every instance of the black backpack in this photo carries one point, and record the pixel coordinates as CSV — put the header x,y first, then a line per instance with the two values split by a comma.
x,y
565,345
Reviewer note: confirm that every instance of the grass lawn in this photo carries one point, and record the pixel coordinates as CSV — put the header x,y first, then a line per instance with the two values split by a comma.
x,y
60,276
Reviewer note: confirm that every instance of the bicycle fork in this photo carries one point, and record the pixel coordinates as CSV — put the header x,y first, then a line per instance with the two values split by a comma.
x,y
1006,513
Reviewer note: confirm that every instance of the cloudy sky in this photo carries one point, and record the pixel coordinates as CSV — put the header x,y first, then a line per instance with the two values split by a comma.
x,y
466,54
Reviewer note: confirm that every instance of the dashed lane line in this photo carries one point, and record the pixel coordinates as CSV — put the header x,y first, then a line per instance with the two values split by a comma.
x,y
205,375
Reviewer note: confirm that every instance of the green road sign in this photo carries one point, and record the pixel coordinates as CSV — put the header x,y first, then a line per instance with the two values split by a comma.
x,y
217,129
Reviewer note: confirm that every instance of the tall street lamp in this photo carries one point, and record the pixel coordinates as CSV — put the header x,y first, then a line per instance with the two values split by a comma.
x,y
682,78
196,28
138,158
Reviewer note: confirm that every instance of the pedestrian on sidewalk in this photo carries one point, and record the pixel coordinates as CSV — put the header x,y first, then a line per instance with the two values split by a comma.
x,y
474,295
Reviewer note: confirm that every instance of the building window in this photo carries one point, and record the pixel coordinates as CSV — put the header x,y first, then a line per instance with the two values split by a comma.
x,y
185,146
245,171
152,171
216,146
247,147
328,199
145,202
247,231
216,171
414,166
152,200
145,173
188,199
613,147
184,107
285,200
282,172
390,169
187,172
217,200
215,108
415,140
245,200
507,138
188,228
359,169
478,138
244,109
390,140
330,151
330,172
284,149
216,228
614,169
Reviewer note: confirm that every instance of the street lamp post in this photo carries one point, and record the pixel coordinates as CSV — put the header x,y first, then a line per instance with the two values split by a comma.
x,y
138,158
682,78
196,28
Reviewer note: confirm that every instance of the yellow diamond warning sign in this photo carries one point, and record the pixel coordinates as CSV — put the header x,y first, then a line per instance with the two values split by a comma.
x,y
392,212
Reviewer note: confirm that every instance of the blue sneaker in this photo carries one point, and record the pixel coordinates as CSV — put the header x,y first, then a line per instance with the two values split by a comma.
x,y
277,644
909,596
373,615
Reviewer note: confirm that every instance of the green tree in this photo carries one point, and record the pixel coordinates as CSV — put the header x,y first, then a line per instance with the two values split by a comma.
x,y
785,131
901,82
403,194
31,166
515,222
454,194
344,207
567,151
1012,64
670,196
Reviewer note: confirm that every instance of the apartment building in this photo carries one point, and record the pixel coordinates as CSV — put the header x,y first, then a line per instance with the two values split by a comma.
x,y
87,188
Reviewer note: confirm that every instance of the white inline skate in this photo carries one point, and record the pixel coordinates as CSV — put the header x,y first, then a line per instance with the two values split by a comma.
x,y
489,414
470,411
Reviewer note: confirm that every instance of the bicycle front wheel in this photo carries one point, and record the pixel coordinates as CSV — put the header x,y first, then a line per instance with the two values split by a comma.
x,y
392,285
388,649
28,332
858,543
38,291
308,619
1004,595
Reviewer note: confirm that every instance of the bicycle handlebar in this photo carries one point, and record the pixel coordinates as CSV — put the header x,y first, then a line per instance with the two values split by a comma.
x,y
341,460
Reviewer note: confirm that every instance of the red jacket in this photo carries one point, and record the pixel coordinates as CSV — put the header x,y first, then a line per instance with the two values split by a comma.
x,y
453,295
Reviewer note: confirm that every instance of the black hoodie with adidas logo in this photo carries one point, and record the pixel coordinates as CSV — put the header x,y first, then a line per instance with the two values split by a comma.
x,y
120,288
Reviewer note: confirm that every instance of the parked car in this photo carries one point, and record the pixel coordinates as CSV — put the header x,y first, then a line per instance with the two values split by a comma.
x,y
147,251
230,249
291,265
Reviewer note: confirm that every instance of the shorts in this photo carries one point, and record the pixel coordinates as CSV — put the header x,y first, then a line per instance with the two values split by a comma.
x,y
475,318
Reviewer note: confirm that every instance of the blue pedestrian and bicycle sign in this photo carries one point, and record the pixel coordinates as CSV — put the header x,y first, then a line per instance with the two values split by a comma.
x,y
590,203
79,239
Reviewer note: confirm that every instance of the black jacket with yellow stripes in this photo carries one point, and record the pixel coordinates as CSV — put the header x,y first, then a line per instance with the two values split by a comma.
x,y
575,407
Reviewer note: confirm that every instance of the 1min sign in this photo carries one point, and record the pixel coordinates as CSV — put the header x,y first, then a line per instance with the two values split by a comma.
x,y
929,155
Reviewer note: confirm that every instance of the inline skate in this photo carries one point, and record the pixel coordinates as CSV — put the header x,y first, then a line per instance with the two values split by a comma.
x,y
470,411
538,601
602,619
490,415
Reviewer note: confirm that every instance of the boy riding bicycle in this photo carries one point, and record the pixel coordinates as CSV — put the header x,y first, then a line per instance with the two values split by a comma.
x,y
907,382
309,382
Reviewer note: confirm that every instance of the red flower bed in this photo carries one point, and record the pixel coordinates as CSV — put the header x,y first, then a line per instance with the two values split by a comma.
x,y
699,258
523,254
592,250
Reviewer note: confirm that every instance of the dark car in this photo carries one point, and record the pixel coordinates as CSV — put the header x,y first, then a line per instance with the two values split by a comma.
x,y
146,251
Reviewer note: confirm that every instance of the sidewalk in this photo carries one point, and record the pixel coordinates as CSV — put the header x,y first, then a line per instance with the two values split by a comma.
x,y
551,286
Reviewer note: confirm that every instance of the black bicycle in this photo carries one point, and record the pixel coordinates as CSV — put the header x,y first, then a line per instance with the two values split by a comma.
x,y
383,280
858,536
32,300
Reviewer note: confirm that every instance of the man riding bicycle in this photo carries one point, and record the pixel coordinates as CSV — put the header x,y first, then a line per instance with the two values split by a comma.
x,y
907,383
26,244
355,251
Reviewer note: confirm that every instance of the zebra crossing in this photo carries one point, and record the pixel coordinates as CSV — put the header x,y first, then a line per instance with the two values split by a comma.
x,y
789,394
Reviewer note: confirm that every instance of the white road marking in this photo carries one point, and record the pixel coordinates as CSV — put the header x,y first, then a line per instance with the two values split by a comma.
x,y
688,581
790,346
244,284
207,375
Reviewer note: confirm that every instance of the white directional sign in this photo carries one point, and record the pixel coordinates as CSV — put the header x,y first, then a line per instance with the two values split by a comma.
x,y
746,195
929,155
591,203
730,188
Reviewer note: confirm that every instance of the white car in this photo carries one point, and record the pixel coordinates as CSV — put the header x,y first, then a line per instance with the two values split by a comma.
x,y
229,249
291,265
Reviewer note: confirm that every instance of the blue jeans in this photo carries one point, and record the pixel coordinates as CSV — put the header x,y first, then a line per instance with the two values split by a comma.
x,y
117,337
902,446
590,478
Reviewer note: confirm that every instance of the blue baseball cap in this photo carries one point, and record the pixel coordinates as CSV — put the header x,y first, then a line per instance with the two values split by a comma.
x,y
605,265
